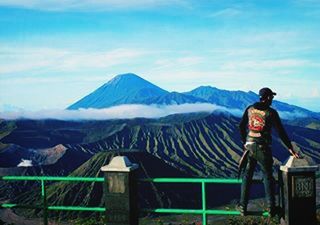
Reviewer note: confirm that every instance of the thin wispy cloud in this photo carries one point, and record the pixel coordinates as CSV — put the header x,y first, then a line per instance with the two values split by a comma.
x,y
57,80
181,62
89,5
275,38
315,93
99,59
269,64
23,60
14,59
307,3
260,52
226,13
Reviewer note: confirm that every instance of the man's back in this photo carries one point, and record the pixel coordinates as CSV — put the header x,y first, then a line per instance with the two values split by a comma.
x,y
257,122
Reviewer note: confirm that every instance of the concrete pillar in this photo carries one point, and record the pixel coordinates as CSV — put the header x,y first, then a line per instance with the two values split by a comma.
x,y
120,190
298,192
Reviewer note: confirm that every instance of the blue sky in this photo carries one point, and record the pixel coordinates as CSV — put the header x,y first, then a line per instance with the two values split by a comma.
x,y
52,53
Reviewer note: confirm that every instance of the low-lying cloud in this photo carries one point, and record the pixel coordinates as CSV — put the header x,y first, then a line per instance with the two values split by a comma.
x,y
117,112
292,115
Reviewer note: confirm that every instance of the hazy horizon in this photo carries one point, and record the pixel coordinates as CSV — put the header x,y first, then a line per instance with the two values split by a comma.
x,y
54,53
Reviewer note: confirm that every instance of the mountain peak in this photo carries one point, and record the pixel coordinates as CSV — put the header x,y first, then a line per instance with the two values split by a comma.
x,y
126,76
129,79
208,88
126,88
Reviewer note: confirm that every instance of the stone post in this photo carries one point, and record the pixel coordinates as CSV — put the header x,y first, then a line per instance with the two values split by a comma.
x,y
298,192
120,190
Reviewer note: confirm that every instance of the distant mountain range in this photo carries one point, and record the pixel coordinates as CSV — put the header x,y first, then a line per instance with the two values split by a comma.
x,y
132,89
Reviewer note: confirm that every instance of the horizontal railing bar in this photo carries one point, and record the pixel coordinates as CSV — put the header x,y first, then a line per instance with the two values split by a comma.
x,y
51,178
184,211
200,211
222,212
193,180
101,179
76,208
235,212
66,208
160,210
9,205
199,180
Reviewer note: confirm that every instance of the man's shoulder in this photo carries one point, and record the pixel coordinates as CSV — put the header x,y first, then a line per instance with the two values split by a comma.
x,y
258,106
250,106
273,112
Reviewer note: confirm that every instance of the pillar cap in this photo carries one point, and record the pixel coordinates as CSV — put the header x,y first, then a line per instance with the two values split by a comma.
x,y
120,164
298,165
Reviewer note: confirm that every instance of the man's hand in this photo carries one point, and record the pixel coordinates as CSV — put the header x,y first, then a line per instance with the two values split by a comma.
x,y
294,154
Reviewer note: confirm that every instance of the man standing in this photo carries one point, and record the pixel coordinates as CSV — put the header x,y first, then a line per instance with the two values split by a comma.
x,y
255,129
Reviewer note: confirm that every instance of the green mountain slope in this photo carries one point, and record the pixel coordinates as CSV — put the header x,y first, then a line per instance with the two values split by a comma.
x,y
199,144
208,146
312,123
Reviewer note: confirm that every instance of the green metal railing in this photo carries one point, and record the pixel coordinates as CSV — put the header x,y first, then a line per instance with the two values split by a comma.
x,y
203,211
45,207
203,181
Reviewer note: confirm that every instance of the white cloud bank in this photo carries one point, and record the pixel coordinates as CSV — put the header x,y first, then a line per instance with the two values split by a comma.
x,y
117,112
129,111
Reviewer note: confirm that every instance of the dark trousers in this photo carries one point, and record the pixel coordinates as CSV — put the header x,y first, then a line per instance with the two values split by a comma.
x,y
262,155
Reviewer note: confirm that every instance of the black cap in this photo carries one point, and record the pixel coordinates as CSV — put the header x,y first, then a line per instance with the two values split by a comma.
x,y
265,92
